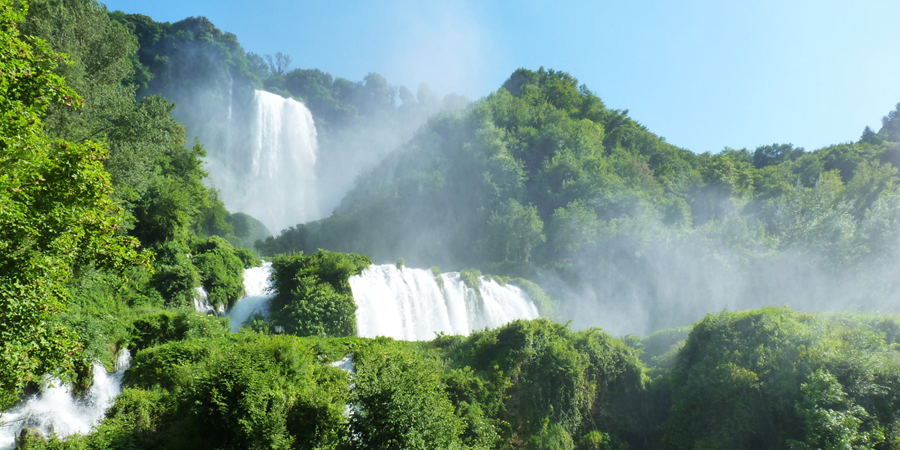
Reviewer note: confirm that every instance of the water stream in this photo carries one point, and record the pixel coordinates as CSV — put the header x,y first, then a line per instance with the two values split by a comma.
x,y
55,409
256,296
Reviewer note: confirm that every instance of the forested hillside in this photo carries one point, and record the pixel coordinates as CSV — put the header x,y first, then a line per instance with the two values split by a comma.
x,y
541,180
110,230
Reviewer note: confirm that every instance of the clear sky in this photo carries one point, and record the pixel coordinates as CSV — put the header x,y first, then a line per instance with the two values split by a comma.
x,y
704,74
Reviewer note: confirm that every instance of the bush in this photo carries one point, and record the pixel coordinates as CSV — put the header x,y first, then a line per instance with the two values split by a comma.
x,y
174,274
221,271
401,403
546,384
154,329
763,379
244,391
313,295
248,257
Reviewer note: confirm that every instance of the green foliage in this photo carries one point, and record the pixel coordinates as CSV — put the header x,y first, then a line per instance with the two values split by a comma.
x,y
438,277
401,403
248,257
547,306
248,392
515,233
312,293
175,275
777,378
546,383
221,271
470,278
154,329
55,211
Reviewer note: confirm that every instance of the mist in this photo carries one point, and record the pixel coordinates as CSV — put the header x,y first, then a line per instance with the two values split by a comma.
x,y
283,145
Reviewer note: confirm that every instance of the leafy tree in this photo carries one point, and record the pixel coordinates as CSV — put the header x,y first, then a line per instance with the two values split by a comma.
x,y
279,64
401,403
515,232
55,211
312,293
221,271
775,154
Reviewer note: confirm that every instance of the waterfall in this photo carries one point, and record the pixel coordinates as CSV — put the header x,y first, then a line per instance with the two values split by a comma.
x,y
201,302
267,169
256,296
55,409
410,304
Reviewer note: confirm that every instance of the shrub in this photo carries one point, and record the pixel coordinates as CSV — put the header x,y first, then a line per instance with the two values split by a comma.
x,y
401,403
221,271
154,329
313,295
766,378
174,274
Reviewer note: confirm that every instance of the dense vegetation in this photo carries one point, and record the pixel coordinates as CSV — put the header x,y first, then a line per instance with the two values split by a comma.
x,y
107,229
312,294
772,378
102,204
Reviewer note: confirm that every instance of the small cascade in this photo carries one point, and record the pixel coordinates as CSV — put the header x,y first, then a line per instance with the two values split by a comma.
x,y
267,169
345,364
56,410
201,302
256,296
410,304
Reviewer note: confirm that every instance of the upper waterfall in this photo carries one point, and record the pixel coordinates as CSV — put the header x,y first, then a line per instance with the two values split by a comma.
x,y
414,304
267,168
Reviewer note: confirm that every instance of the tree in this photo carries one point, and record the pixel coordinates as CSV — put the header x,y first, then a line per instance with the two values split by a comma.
x,y
55,211
279,64
516,232
402,403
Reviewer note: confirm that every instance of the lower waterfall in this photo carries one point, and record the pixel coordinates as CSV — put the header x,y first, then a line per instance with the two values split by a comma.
x,y
56,410
256,296
201,301
415,304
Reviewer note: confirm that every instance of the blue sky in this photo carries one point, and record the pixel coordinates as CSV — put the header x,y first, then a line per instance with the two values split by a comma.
x,y
702,74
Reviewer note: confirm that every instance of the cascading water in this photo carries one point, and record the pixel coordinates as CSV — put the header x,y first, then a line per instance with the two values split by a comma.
x,y
256,296
268,172
56,410
201,302
410,304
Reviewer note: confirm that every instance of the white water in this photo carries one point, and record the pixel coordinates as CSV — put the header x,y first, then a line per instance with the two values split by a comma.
x,y
56,410
270,173
345,364
409,304
256,296
201,302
